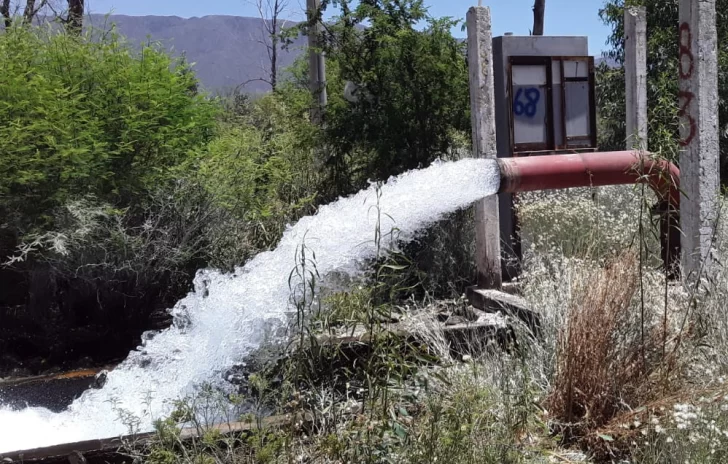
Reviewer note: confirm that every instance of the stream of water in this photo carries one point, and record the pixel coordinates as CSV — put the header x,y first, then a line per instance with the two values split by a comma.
x,y
226,316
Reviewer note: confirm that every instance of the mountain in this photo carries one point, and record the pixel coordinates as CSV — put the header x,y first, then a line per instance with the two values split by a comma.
x,y
227,50
610,62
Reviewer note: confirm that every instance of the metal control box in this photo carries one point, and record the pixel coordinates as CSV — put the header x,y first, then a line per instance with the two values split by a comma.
x,y
544,104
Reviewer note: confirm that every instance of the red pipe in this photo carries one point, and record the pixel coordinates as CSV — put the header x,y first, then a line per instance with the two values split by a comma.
x,y
590,170
523,174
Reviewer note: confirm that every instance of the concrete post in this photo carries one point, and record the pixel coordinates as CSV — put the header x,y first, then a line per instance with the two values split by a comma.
x,y
635,70
482,109
699,157
316,64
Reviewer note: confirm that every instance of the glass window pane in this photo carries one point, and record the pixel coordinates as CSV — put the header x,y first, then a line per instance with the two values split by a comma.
x,y
576,69
529,75
577,109
529,114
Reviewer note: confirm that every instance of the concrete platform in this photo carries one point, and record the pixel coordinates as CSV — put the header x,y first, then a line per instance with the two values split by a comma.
x,y
510,304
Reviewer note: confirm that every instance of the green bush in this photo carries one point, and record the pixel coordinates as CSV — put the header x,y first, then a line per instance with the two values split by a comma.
x,y
120,180
261,166
412,96
89,118
82,116
662,78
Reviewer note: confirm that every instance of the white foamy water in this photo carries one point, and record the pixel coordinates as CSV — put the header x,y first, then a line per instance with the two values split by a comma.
x,y
224,326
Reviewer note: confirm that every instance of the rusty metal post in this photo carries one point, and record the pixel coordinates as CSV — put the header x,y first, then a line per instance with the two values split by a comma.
x,y
482,109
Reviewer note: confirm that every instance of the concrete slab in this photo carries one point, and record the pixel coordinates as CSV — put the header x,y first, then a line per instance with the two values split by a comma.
x,y
482,113
494,301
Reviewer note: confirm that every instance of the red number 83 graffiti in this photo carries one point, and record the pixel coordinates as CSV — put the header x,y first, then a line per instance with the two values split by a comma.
x,y
686,58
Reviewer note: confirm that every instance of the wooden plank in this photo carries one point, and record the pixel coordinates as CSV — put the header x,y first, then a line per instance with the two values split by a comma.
x,y
108,447
81,373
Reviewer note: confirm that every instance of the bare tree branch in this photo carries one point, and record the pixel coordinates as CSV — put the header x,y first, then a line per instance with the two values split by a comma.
x,y
56,12
72,16
31,11
257,79
270,12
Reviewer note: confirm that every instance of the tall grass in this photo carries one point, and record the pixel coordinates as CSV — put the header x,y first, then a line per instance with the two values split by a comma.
x,y
615,375
603,365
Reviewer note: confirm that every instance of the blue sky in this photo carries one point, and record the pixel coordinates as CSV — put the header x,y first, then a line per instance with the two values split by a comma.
x,y
563,17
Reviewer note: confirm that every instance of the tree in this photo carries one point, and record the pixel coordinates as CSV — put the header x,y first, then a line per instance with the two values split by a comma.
x,y
69,12
6,14
31,10
413,88
270,12
662,78
74,19
539,8
91,118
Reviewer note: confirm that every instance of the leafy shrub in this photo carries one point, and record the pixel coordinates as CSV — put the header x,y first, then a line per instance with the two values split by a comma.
x,y
412,96
662,77
261,166
84,116
121,180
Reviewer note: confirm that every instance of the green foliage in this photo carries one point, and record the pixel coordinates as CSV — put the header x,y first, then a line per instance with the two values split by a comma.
x,y
93,125
412,91
471,421
260,166
411,107
662,77
441,260
120,179
84,116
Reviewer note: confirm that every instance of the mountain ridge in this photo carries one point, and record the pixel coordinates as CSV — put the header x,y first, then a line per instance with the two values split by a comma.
x,y
226,49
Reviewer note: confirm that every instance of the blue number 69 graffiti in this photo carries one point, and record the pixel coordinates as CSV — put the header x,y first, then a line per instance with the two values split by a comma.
x,y
529,108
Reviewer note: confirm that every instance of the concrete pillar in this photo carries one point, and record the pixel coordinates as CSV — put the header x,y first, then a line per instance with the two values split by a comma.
x,y
635,76
316,64
482,110
698,102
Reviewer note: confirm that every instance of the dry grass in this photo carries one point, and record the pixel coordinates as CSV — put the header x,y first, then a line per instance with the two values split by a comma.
x,y
606,355
609,372
628,430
